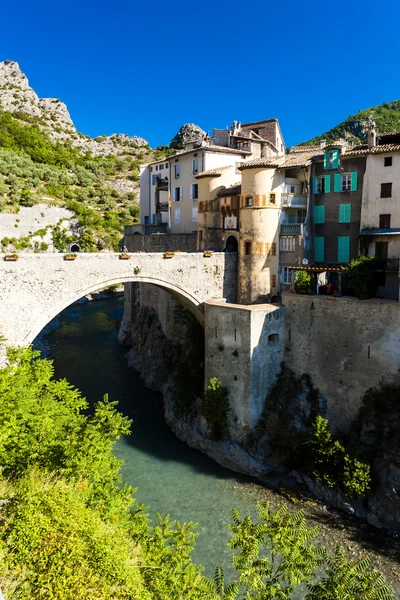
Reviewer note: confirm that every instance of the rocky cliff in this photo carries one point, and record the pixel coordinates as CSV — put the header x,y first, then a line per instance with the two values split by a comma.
x,y
51,115
187,133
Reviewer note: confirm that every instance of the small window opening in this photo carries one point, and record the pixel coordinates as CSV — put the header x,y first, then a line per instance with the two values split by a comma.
x,y
273,338
247,248
388,161
74,248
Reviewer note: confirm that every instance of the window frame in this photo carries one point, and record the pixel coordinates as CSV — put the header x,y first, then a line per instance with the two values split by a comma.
x,y
382,218
345,178
287,244
320,179
195,169
388,161
192,186
247,247
287,280
248,201
273,196
177,171
390,190
177,187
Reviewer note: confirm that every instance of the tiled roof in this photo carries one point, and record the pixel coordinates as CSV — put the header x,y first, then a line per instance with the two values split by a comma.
x,y
271,162
300,159
375,150
209,148
232,190
387,133
298,149
216,172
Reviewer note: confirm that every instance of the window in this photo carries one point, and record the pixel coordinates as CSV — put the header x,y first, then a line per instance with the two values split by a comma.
x,y
384,221
343,249
153,179
287,275
249,201
386,190
272,198
166,165
161,167
151,169
177,171
292,189
288,244
194,214
301,216
345,184
322,184
146,221
247,248
319,214
319,244
387,161
195,166
177,194
344,213
156,167
153,219
194,191
177,215
331,159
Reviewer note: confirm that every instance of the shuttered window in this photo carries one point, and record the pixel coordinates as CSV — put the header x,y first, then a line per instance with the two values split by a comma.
x,y
343,249
319,214
319,244
344,213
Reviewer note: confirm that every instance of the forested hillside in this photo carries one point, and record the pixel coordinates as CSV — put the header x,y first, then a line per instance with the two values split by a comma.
x,y
354,128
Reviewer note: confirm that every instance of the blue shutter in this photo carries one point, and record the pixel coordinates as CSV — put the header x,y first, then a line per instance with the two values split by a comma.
x,y
335,159
319,214
343,248
354,181
336,182
326,159
327,184
344,213
314,185
319,249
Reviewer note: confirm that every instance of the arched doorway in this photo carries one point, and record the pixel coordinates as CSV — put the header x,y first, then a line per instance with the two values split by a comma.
x,y
231,244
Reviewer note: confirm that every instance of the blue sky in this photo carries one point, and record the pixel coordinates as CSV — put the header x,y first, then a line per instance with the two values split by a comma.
x,y
145,68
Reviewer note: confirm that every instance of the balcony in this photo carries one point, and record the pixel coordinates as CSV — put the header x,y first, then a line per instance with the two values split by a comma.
x,y
294,200
292,228
162,207
162,182
387,264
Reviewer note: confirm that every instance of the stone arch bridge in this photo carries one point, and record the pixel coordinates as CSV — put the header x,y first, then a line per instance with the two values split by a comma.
x,y
36,287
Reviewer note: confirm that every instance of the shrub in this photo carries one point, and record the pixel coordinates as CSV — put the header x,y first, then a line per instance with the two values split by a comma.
x,y
303,284
361,276
215,409
327,460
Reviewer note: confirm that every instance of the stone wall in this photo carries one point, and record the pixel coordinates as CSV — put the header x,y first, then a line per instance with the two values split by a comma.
x,y
244,350
345,344
159,242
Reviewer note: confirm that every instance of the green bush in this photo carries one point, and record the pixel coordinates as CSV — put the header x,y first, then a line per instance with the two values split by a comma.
x,y
215,409
361,276
327,460
304,283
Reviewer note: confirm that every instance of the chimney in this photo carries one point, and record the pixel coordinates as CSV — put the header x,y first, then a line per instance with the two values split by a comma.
x,y
371,133
322,144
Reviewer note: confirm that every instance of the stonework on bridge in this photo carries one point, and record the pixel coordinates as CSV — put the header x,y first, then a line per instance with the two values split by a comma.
x,y
35,288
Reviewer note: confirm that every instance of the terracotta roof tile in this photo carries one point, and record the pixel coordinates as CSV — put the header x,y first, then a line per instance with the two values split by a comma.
x,y
216,172
232,190
375,150
270,162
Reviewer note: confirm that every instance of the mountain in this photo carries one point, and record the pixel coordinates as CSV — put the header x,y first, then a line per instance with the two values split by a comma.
x,y
52,116
187,133
354,128
90,184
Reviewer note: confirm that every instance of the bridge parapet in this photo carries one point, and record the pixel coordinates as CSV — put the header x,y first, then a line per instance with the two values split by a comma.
x,y
36,287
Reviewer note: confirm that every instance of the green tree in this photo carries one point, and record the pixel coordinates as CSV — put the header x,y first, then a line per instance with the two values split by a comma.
x,y
215,409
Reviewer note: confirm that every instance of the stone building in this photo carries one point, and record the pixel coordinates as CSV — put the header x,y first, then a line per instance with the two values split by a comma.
x,y
168,187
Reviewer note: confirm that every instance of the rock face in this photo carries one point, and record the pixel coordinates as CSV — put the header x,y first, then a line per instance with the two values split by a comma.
x,y
53,117
187,133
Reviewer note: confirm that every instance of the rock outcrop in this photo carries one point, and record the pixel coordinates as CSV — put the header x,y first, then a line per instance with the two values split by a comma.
x,y
187,133
52,115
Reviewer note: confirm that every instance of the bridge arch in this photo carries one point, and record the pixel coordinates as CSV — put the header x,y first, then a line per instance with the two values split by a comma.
x,y
37,287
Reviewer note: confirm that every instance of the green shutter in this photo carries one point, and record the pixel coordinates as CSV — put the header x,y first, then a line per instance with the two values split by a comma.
x,y
327,184
336,182
326,159
314,185
354,181
344,213
343,248
319,249
319,214
335,159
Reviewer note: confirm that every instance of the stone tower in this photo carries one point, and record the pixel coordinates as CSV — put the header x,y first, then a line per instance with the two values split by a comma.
x,y
259,231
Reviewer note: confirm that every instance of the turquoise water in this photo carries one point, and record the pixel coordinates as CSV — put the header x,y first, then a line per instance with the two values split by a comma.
x,y
170,476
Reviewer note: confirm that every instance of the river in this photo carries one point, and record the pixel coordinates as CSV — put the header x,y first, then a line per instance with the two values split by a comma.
x,y
170,476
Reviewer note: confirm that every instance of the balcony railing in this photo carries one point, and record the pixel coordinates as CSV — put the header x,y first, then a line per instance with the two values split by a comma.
x,y
292,229
162,182
387,264
295,200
